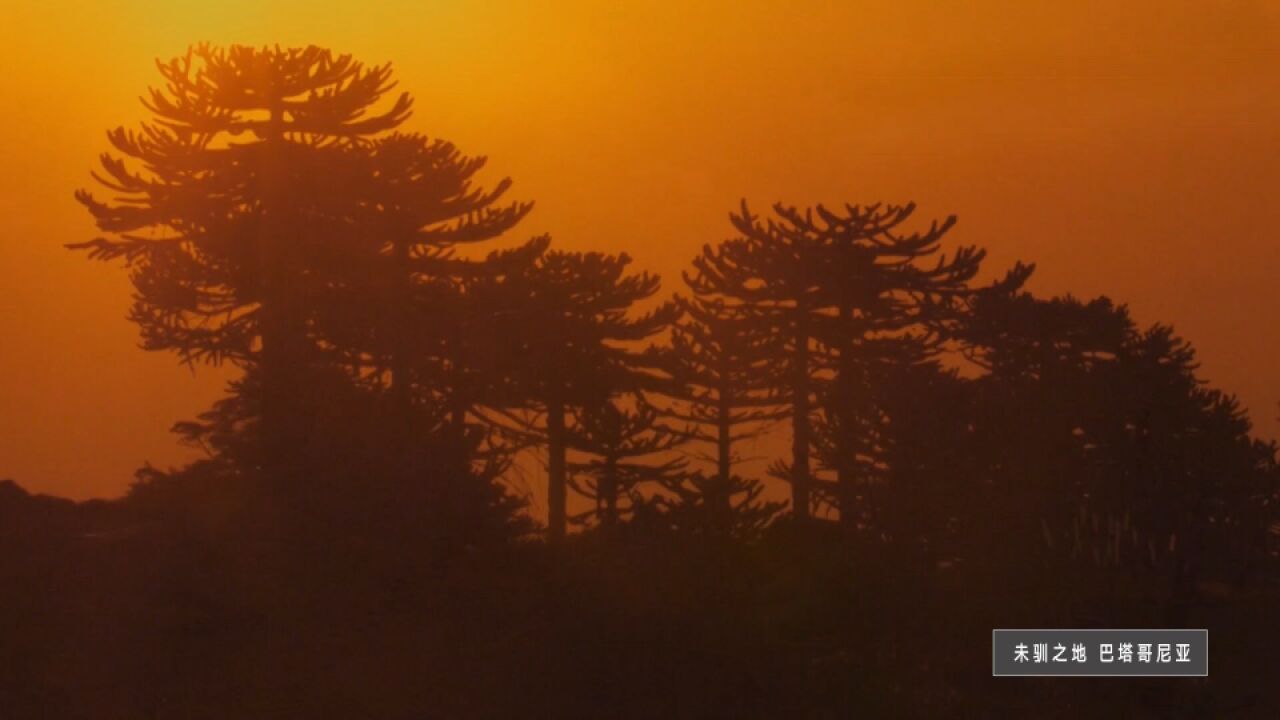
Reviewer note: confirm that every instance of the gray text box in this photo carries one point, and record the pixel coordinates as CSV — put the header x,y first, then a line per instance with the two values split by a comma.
x,y
1094,653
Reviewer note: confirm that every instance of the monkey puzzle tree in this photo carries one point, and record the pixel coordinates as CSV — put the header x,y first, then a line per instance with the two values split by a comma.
x,y
846,289
883,310
1125,433
407,323
741,276
898,447
1042,357
725,368
272,218
567,341
623,443
407,316
233,208
726,379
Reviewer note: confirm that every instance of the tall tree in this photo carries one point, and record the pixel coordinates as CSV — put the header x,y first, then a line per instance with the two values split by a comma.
x,y
233,208
726,385
843,288
1125,433
909,448
405,321
419,206
568,341
741,275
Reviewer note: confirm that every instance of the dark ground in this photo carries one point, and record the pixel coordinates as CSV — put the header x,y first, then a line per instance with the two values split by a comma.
x,y
106,613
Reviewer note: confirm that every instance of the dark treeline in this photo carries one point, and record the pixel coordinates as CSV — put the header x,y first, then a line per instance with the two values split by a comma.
x,y
959,454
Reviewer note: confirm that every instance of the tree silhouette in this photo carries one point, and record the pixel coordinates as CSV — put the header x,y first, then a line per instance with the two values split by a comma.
x,y
404,320
704,505
568,343
402,482
740,275
241,215
1123,430
726,378
912,450
407,310
843,288
397,353
623,442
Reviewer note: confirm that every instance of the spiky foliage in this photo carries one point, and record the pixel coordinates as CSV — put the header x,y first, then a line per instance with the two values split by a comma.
x,y
389,479
231,204
628,447
1123,426
839,286
712,506
567,341
407,318
235,213
725,368
271,216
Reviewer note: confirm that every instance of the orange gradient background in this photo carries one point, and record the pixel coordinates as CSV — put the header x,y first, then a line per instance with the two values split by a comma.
x,y
1129,149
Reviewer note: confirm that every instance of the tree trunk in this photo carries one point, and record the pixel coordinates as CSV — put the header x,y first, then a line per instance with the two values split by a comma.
x,y
846,476
557,486
846,464
399,361
609,491
282,334
800,422
458,415
719,499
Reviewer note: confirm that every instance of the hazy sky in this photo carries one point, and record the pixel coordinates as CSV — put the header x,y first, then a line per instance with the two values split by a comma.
x,y
1128,148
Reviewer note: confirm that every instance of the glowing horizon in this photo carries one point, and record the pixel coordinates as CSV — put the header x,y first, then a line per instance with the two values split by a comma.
x,y
1127,151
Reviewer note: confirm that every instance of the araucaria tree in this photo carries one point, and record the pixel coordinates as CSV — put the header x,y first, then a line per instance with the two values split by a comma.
x,y
724,363
628,447
1125,435
231,211
847,291
569,340
741,276
407,317
272,217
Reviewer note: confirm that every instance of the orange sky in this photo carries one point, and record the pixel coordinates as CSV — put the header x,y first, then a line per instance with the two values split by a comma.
x,y
1128,148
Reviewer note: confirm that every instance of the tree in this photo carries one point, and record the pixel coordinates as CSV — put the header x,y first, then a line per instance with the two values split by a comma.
x,y
405,321
1041,356
567,342
711,506
843,288
238,215
724,367
1126,434
739,275
407,315
912,450
392,482
623,442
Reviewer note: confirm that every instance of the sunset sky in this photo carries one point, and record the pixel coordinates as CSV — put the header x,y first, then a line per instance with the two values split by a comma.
x,y
1127,148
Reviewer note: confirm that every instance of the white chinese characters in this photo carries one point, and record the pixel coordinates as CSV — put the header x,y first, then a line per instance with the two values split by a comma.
x,y
1146,653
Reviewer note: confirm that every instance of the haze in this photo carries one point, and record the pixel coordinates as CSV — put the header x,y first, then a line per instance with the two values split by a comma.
x,y
1126,148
